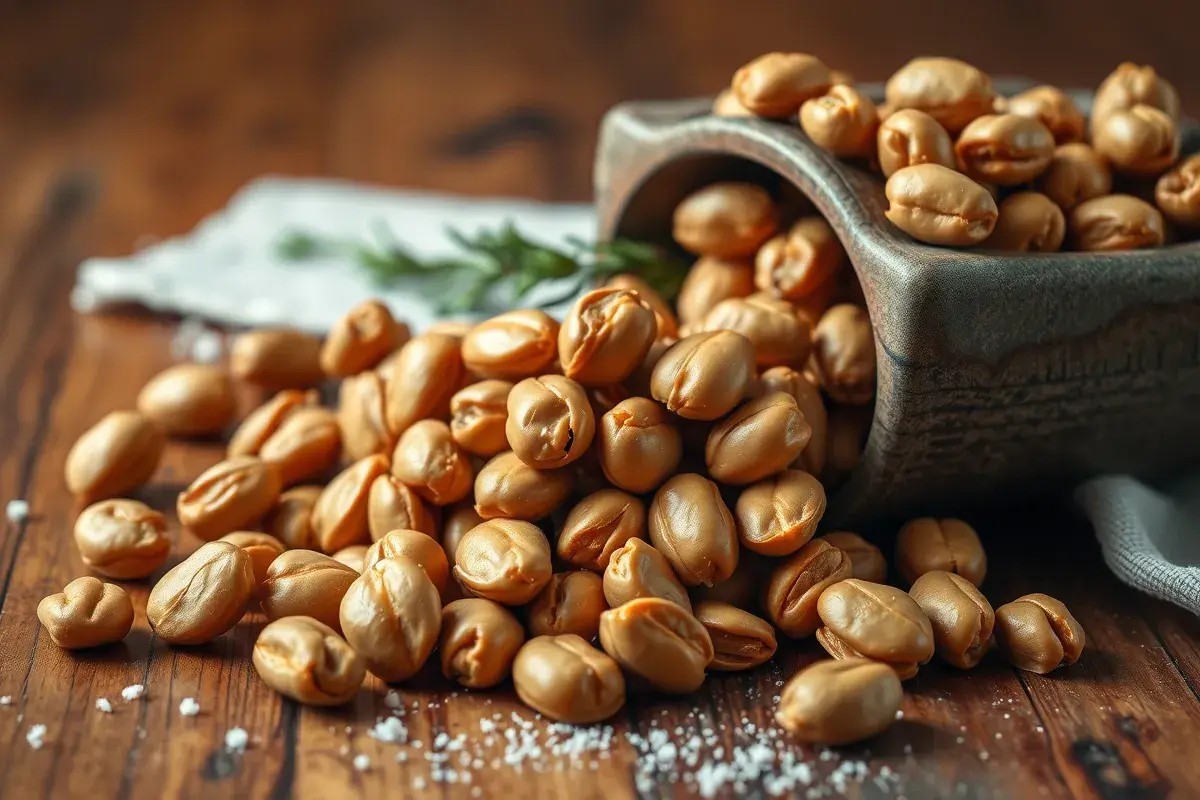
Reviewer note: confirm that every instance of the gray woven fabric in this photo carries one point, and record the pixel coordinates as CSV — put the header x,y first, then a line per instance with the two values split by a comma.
x,y
1149,536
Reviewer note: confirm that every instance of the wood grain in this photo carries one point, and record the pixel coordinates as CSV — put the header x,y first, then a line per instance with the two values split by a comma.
x,y
132,118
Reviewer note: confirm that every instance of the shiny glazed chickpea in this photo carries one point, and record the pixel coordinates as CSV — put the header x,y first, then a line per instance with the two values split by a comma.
x,y
1054,109
636,570
664,317
505,560
638,445
726,220
779,515
840,701
262,549
116,455
203,596
290,520
910,137
550,421
779,332
514,345
777,84
572,602
690,524
605,336
961,617
1037,633
874,621
276,358
86,613
459,519
391,616
951,91
1130,85
422,550
425,375
760,438
705,375
360,339
308,661
796,583
844,354
842,121
866,560
598,525
797,264
391,505
1140,141
428,460
122,539
951,545
568,680
811,405
352,556
1004,149
262,422
1115,222
339,517
937,205
659,641
478,642
726,105
740,640
307,444
508,487
478,414
708,282
362,416
1076,173
304,583
229,496
1177,193
1028,222
189,400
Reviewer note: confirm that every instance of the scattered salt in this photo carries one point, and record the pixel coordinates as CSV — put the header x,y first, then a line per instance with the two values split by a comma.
x,y
389,730
236,739
362,762
17,511
6,700
36,736
133,692
188,707
102,704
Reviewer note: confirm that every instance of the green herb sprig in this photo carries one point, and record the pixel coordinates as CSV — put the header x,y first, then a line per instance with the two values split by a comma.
x,y
493,263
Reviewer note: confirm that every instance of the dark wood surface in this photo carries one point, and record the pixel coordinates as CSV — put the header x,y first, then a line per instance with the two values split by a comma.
x,y
125,119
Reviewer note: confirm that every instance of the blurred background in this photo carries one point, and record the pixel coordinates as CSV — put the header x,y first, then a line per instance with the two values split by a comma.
x,y
156,112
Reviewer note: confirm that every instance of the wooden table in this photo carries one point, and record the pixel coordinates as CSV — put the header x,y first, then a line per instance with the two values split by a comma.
x,y
130,118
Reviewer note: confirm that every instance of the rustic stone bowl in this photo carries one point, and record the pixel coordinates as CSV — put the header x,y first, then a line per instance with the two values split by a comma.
x,y
1000,376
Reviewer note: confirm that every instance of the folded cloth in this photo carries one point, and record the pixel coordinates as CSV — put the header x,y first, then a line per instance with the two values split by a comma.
x,y
1148,536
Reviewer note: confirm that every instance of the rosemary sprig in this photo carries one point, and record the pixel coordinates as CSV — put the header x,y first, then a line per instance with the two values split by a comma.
x,y
493,263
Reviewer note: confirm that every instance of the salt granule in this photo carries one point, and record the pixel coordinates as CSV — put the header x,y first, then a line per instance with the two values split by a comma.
x,y
362,762
133,692
17,511
236,739
36,736
188,707
102,704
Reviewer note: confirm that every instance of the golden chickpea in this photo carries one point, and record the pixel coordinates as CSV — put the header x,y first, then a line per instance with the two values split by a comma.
x,y
1004,149
726,220
796,583
951,91
928,544
779,515
571,602
777,84
304,583
428,460
460,518
961,617
1053,108
203,596
779,332
637,569
116,455
392,505
306,445
504,560
425,375
840,701
605,336
1130,85
513,345
1140,141
866,560
690,524
277,358
664,317
550,421
599,525
189,400
262,549
391,616
705,375
1037,633
508,487
362,417
937,205
910,137
811,405
422,550
122,539
726,105
308,661
760,438
1028,222
229,496
711,280
86,613
1115,222
638,446
339,518
478,414
1076,173
871,620
290,520
659,641
1177,193
262,422
566,679
479,641
844,355
360,339
842,121
795,266
740,640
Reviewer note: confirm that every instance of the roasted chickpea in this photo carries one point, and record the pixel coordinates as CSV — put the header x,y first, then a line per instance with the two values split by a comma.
x,y
844,355
866,560
740,639
116,455
262,422
189,400
1130,85
1053,108
505,560
428,460
637,569
360,339
421,549
664,317
1028,222
479,640
391,505
1140,141
571,602
568,680
1076,173
638,446
780,333
659,641
391,615
508,487
122,539
871,620
1178,193
779,515
306,445
339,518
726,220
961,616
550,421
842,121
605,336
425,375
690,524
777,84
1004,149
711,280
1037,633
1115,222
362,417
478,414
797,265
951,91
937,205
808,399
86,613
760,438
598,525
513,345
795,584
279,358
308,661
840,702
910,137
705,375
229,496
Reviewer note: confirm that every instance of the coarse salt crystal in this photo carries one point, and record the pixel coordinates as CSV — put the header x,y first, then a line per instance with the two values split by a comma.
x,y
17,511
36,736
102,704
6,700
389,730
188,707
236,739
133,692
362,762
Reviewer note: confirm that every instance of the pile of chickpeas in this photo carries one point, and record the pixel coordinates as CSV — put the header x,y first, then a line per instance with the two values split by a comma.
x,y
965,166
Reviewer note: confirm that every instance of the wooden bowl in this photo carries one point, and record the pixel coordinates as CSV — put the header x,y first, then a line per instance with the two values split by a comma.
x,y
1000,376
